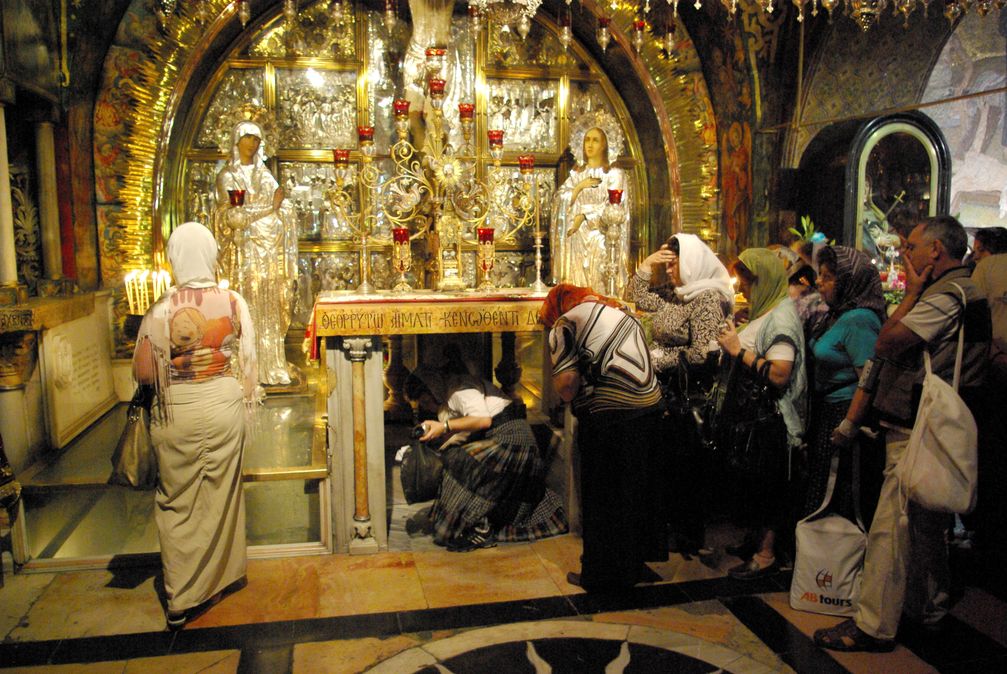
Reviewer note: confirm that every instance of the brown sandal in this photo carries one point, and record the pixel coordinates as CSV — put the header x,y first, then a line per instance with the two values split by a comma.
x,y
846,636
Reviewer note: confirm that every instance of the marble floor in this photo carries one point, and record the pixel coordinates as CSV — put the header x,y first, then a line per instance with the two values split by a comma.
x,y
505,609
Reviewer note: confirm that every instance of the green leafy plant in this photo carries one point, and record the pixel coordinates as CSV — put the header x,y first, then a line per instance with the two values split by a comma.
x,y
807,232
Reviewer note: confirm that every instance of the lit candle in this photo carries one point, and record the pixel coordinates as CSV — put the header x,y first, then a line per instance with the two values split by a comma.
x,y
526,163
485,234
400,235
130,297
615,196
341,158
466,110
401,107
365,134
495,137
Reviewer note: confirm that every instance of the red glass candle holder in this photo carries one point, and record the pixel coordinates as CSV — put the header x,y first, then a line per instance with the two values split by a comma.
x,y
466,110
237,197
604,21
495,137
341,158
400,235
564,19
401,107
365,134
436,85
435,52
526,163
639,25
485,234
615,196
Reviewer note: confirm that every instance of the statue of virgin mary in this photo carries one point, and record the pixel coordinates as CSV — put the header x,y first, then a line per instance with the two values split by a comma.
x,y
580,244
258,247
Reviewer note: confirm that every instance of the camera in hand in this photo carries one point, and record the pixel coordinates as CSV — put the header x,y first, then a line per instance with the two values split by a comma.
x,y
418,431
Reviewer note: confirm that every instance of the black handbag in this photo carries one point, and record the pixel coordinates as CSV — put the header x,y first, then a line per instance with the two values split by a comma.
x,y
742,425
421,472
134,464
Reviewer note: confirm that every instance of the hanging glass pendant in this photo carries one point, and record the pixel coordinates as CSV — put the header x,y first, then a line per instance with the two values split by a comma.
x,y
905,8
565,33
244,13
337,10
668,43
983,7
390,17
953,11
830,6
799,4
290,10
523,26
604,37
638,27
475,18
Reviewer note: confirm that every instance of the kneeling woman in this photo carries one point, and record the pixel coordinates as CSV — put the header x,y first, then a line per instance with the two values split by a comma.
x,y
494,480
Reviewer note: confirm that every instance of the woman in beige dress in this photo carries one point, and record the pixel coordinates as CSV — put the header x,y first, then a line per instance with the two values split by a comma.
x,y
198,423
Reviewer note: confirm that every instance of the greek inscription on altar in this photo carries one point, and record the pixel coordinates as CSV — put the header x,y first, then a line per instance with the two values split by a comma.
x,y
383,318
15,319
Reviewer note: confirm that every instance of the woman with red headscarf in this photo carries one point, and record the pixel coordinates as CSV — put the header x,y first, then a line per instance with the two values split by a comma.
x,y
602,367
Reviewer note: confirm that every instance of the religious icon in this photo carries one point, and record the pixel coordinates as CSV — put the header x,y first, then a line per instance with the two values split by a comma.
x,y
584,252
256,230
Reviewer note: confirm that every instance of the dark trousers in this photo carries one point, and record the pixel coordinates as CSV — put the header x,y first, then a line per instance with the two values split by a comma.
x,y
620,504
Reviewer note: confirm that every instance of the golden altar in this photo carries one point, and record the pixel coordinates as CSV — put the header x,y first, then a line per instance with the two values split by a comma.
x,y
352,326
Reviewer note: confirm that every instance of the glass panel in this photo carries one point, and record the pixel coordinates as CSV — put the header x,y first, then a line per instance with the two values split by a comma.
x,y
239,86
541,47
199,190
514,269
68,523
283,435
317,34
316,109
526,111
896,185
285,511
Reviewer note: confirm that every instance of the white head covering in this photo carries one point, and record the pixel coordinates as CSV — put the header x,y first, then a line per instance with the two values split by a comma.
x,y
192,251
700,270
247,128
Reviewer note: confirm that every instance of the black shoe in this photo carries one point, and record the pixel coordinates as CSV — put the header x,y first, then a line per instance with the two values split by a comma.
x,y
473,541
751,570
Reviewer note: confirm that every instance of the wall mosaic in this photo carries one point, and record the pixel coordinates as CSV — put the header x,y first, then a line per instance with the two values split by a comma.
x,y
973,60
857,74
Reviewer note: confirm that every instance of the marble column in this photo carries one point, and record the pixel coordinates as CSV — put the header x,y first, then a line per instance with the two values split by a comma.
x,y
48,200
8,258
359,351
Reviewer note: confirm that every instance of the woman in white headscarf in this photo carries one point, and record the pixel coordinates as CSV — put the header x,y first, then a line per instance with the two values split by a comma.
x,y
198,423
685,319
258,243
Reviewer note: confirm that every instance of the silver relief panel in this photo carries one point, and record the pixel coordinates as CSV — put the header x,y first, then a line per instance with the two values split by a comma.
x,y
199,190
238,87
316,109
526,112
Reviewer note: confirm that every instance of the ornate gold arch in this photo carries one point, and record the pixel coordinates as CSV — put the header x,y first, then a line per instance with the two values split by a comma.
x,y
143,81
